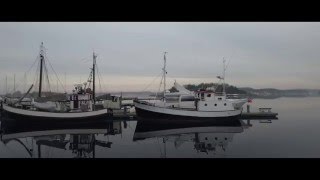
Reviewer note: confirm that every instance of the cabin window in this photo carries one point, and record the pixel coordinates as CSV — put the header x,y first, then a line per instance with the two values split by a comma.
x,y
215,104
205,104
209,95
220,99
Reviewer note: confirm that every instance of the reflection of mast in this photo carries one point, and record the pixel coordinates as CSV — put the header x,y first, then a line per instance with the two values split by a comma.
x,y
20,142
82,144
165,148
39,150
82,141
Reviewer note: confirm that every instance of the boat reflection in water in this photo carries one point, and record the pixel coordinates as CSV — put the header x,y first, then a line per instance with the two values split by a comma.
x,y
80,139
209,136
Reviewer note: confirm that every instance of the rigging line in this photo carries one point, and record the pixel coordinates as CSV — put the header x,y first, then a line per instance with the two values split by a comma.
x,y
230,58
104,84
99,74
23,80
33,64
99,77
152,82
36,60
37,76
55,72
159,88
46,71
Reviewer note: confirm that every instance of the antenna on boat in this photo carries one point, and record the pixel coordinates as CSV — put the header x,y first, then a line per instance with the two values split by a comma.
x,y
164,74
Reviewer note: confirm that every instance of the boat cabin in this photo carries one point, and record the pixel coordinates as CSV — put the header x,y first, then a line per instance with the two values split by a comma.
x,y
180,100
81,99
208,100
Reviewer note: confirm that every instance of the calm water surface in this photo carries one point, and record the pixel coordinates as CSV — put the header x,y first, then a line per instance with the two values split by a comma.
x,y
294,134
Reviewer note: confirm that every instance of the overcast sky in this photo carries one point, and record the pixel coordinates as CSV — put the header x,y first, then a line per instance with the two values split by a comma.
x,y
279,55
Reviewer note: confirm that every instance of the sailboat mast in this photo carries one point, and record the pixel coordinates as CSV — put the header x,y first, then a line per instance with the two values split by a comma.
x,y
93,79
164,75
41,64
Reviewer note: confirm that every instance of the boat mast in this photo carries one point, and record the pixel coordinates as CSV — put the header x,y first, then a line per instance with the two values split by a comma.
x,y
41,64
93,79
14,83
6,85
164,75
65,82
224,70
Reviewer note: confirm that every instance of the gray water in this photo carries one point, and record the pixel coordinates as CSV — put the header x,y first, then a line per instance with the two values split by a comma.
x,y
295,134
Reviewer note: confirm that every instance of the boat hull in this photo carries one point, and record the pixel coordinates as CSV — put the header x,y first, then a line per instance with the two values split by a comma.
x,y
153,112
27,115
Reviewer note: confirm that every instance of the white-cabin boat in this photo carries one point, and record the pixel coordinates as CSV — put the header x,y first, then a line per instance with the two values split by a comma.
x,y
81,104
203,104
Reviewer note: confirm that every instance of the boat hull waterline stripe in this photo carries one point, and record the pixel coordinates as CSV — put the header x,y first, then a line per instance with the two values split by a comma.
x,y
52,114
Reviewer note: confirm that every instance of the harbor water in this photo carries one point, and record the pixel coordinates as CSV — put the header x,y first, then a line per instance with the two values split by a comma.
x,y
295,134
